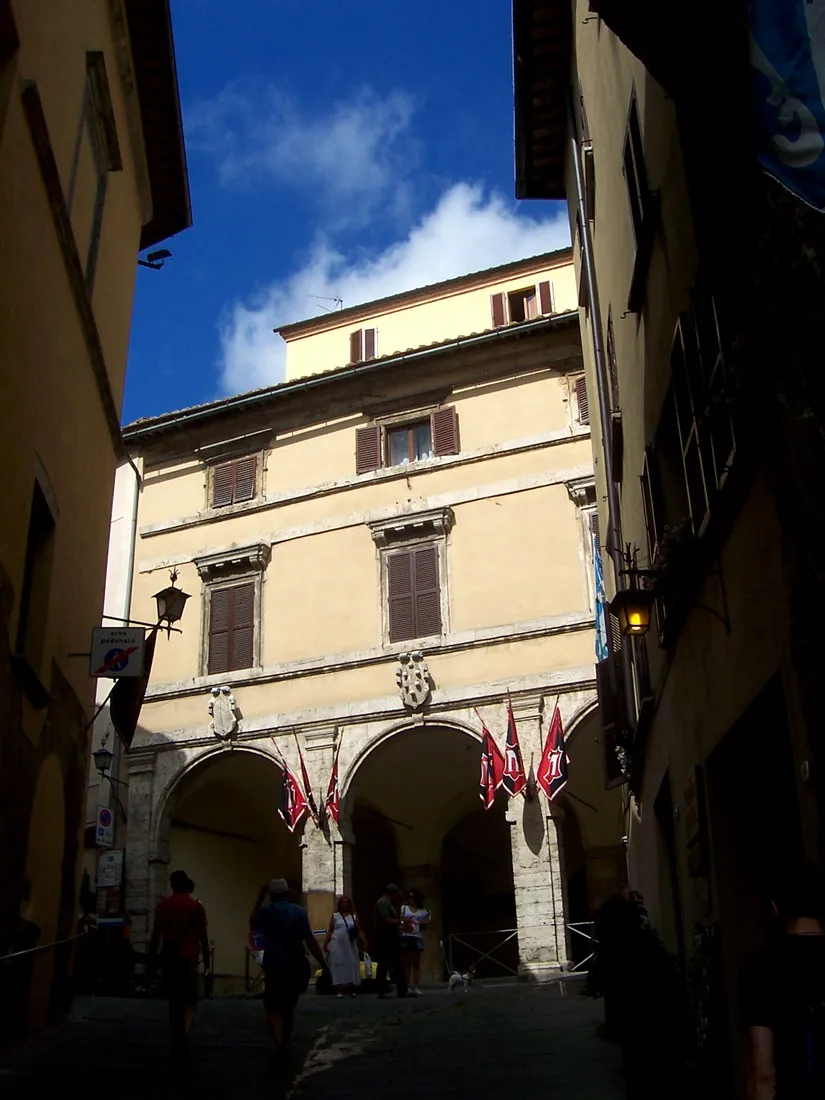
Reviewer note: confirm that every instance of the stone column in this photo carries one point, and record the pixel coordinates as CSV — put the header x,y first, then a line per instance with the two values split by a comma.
x,y
145,867
536,851
317,849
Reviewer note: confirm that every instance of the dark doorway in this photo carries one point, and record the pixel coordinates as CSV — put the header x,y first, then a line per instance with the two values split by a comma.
x,y
755,829
478,895
374,860
575,873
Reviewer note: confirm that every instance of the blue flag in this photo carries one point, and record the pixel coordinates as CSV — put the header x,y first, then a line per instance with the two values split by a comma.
x,y
787,50
601,622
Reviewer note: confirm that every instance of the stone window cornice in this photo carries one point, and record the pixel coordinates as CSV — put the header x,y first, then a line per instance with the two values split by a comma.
x,y
236,561
428,522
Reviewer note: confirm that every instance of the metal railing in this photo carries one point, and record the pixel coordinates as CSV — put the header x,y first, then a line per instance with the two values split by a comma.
x,y
479,956
576,928
41,947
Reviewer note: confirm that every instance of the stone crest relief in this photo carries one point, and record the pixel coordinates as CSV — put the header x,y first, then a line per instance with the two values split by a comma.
x,y
224,715
413,679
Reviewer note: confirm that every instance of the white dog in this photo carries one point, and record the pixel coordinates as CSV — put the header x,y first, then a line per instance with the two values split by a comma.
x,y
464,980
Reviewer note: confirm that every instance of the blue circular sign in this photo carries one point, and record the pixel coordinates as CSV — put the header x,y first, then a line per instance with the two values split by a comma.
x,y
116,660
105,818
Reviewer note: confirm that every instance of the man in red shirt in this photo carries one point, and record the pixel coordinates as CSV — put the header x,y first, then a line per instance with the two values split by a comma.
x,y
180,922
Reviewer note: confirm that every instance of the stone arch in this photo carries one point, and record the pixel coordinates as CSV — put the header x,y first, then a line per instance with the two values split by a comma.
x,y
216,818
194,763
393,730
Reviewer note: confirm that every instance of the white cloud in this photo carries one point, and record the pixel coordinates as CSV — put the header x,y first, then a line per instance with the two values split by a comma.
x,y
352,159
468,230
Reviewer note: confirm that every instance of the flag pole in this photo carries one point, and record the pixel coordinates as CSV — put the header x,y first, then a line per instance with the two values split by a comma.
x,y
305,777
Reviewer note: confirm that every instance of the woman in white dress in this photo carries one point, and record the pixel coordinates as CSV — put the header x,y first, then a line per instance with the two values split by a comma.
x,y
343,938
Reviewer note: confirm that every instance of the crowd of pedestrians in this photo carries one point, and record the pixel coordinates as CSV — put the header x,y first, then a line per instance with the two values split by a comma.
x,y
179,939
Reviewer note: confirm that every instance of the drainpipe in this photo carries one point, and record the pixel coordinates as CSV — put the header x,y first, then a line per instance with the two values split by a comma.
x,y
602,386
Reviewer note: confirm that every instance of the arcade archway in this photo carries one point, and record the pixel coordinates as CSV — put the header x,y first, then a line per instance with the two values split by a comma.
x,y
224,830
415,816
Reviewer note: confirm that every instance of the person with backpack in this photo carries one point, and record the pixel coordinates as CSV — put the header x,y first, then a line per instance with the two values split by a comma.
x,y
783,995
180,930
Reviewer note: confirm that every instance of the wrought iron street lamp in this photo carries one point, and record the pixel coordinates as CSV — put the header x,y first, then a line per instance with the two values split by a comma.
x,y
103,758
171,602
632,609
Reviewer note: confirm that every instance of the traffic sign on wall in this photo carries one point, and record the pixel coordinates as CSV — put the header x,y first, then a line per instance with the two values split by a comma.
x,y
104,828
117,651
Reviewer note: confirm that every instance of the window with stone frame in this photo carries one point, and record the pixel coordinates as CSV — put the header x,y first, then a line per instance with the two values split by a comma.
x,y
413,561
234,481
400,441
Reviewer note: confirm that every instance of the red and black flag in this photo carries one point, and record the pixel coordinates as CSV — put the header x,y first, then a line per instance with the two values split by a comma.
x,y
492,768
333,802
514,778
552,777
126,698
292,806
313,809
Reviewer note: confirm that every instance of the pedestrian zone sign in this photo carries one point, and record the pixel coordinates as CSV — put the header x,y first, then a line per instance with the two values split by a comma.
x,y
117,651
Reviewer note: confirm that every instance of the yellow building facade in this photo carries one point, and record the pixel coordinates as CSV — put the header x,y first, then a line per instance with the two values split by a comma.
x,y
378,551
700,703
92,169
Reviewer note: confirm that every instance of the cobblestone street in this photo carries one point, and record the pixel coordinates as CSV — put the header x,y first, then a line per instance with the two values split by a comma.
x,y
522,1037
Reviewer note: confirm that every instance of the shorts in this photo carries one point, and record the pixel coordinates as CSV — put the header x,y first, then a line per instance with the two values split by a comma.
x,y
180,979
284,985
412,943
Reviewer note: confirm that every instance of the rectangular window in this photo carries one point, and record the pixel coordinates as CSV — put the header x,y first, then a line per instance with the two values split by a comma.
x,y
612,365
409,444
525,304
235,481
413,593
397,444
37,575
96,154
363,345
635,174
231,628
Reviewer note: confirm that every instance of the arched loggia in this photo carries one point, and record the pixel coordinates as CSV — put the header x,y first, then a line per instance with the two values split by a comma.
x,y
219,822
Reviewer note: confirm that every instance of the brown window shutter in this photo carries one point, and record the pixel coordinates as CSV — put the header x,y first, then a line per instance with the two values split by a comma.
x,y
223,484
400,596
545,299
367,449
593,522
497,307
427,591
444,427
245,471
355,355
369,343
220,615
243,626
581,401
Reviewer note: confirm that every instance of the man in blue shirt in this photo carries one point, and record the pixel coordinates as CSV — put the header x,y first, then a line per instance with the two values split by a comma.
x,y
287,937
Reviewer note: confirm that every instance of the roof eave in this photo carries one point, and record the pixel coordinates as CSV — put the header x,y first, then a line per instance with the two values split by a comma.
x,y
156,79
542,46
145,430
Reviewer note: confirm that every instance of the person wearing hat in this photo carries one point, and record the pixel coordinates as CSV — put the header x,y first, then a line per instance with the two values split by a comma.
x,y
180,931
287,937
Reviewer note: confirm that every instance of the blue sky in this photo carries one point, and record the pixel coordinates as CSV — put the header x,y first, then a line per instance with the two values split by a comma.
x,y
351,148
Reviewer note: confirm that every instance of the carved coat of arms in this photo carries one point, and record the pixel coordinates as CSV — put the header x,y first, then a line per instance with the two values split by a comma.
x,y
224,717
413,679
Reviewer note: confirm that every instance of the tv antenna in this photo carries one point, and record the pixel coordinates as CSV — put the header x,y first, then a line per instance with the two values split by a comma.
x,y
339,302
